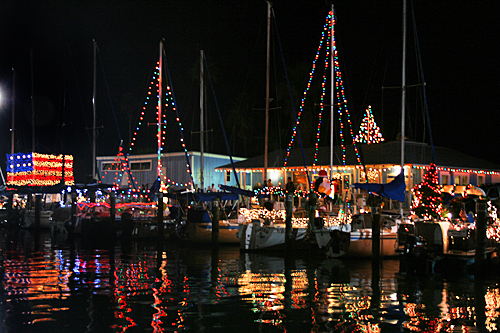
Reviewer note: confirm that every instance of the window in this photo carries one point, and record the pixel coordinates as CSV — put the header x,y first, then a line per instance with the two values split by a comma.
x,y
461,180
110,166
140,166
228,176
480,180
445,179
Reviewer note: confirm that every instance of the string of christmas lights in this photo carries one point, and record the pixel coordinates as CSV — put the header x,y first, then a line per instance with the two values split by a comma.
x,y
123,161
426,201
342,102
329,38
311,76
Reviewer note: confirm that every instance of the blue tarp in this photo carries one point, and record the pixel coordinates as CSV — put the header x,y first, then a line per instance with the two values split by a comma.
x,y
394,190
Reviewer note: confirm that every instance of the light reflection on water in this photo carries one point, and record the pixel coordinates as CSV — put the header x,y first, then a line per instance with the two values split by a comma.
x,y
53,285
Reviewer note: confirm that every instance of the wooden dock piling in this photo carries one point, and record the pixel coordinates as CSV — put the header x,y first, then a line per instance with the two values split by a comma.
x,y
481,218
38,206
288,220
215,222
160,216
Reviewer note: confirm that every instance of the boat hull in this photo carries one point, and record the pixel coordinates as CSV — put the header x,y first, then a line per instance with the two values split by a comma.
x,y
362,243
28,219
255,237
335,241
201,232
360,235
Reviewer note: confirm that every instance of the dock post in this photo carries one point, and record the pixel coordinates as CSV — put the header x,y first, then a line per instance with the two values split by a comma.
x,y
215,222
376,234
313,200
480,256
112,213
10,210
38,204
288,220
375,204
73,214
160,216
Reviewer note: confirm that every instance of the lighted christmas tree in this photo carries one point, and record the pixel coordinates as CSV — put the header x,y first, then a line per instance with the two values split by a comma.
x,y
369,132
427,202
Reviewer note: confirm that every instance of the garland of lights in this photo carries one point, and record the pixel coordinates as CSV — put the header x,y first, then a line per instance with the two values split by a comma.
x,y
118,206
485,172
342,105
342,102
321,109
301,107
380,169
369,132
169,102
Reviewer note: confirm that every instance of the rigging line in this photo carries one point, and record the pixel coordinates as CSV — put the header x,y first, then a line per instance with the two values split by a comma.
x,y
423,81
177,113
245,81
291,98
109,95
147,80
221,123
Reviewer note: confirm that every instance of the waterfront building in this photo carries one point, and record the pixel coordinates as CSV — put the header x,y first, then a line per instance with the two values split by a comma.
x,y
177,170
381,162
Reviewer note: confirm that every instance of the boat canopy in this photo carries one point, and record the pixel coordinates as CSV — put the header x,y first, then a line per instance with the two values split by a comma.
x,y
394,190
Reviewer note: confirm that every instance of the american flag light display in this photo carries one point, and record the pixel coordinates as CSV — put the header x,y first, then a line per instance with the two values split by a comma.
x,y
35,169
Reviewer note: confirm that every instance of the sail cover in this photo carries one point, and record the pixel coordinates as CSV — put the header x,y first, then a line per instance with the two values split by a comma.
x,y
237,190
394,190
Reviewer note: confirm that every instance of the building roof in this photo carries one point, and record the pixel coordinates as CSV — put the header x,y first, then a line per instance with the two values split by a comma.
x,y
385,153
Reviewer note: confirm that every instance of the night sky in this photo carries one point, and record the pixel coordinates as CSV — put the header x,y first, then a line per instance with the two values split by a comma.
x,y
457,39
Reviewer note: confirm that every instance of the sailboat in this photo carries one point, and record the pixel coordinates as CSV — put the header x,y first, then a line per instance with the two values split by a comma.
x,y
265,227
354,236
200,224
445,240
35,184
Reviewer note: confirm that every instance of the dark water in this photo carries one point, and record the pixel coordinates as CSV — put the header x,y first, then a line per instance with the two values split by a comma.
x,y
54,285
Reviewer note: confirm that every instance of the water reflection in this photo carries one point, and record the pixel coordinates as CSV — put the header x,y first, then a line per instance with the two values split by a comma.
x,y
57,285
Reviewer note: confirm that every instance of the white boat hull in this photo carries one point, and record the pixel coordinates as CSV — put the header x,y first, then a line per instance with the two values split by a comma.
x,y
255,237
334,241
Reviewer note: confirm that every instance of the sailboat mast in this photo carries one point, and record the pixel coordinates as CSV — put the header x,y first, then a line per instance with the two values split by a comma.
x,y
160,92
13,111
202,134
94,114
403,89
332,88
268,61
32,105
403,99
